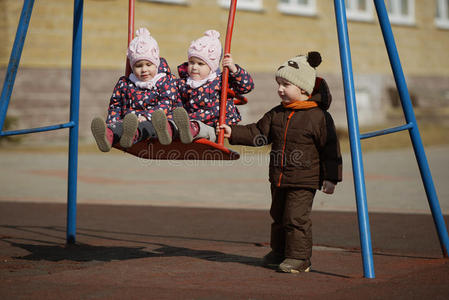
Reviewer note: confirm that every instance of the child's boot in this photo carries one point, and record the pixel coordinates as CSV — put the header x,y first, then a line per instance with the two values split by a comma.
x,y
203,131
182,122
290,265
273,259
102,134
162,127
130,124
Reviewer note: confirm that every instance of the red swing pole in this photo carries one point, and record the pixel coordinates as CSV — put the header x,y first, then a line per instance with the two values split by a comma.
x,y
131,6
224,83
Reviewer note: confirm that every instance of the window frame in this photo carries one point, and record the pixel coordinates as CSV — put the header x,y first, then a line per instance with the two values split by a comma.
x,y
293,8
442,21
397,18
249,5
353,13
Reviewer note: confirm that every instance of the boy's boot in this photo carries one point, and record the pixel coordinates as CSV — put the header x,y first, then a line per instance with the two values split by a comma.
x,y
204,131
130,124
290,265
182,122
103,135
162,127
272,259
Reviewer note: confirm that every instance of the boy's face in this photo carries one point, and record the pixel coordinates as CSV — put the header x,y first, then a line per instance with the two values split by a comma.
x,y
289,92
144,70
197,68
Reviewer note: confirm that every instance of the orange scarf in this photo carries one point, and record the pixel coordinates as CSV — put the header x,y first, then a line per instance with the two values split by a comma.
x,y
300,104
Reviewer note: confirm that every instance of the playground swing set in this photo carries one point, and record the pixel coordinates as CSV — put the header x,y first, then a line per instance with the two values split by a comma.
x,y
207,150
199,149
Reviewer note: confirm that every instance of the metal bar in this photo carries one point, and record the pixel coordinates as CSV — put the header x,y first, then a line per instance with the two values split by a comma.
x,y
131,13
14,59
74,117
386,131
225,75
38,129
415,136
353,127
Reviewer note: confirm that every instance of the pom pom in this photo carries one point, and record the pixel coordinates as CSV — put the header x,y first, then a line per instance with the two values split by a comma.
x,y
212,33
314,59
142,32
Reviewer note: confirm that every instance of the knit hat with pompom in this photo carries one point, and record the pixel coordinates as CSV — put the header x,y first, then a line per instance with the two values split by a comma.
x,y
143,46
300,70
207,48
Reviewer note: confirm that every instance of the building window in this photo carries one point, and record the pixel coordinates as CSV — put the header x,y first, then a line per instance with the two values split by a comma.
x,y
359,10
252,5
297,7
183,2
401,11
442,14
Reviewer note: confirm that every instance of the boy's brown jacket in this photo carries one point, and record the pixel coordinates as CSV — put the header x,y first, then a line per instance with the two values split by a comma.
x,y
304,145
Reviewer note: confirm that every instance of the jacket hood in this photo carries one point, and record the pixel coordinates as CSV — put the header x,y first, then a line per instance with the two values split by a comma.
x,y
321,94
182,71
163,66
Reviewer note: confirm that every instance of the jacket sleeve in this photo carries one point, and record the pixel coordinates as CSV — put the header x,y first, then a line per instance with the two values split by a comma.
x,y
178,102
330,156
240,81
255,134
116,103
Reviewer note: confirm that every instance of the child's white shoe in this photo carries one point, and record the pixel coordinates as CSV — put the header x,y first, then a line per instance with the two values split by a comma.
x,y
99,131
130,124
182,122
160,124
290,265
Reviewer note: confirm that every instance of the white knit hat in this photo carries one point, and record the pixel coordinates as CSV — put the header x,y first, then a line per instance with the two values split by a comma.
x,y
143,46
208,48
300,70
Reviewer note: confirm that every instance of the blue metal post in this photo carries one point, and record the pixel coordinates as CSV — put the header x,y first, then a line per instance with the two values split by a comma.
x,y
354,135
14,59
74,117
413,131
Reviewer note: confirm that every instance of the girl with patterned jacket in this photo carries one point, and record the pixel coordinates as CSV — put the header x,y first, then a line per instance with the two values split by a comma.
x,y
199,88
149,88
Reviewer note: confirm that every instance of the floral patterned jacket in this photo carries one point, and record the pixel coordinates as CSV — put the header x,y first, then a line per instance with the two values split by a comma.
x,y
127,97
203,103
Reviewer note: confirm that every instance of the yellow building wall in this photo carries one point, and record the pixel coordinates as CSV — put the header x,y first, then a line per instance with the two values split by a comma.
x,y
261,40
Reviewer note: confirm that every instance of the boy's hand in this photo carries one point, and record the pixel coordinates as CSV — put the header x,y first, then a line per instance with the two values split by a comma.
x,y
328,187
227,130
228,62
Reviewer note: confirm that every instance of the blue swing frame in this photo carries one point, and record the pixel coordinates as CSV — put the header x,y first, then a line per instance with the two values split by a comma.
x,y
351,111
73,124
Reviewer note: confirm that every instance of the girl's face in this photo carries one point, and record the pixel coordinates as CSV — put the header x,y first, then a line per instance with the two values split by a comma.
x,y
197,68
289,92
144,70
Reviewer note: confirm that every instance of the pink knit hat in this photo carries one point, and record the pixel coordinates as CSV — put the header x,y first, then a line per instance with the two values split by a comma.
x,y
143,46
208,48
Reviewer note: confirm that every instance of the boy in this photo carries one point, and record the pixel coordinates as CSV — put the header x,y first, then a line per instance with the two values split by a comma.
x,y
305,156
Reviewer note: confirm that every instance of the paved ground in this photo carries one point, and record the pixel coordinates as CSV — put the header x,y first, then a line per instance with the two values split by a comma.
x,y
197,230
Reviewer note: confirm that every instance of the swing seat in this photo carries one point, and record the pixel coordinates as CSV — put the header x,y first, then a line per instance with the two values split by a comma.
x,y
201,149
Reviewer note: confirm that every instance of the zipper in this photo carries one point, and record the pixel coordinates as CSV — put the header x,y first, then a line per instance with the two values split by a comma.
x,y
283,147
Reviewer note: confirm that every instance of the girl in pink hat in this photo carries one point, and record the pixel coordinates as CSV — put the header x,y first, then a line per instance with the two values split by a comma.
x,y
199,88
149,88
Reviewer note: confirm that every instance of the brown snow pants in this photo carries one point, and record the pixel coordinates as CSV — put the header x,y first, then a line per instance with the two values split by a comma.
x,y
291,230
